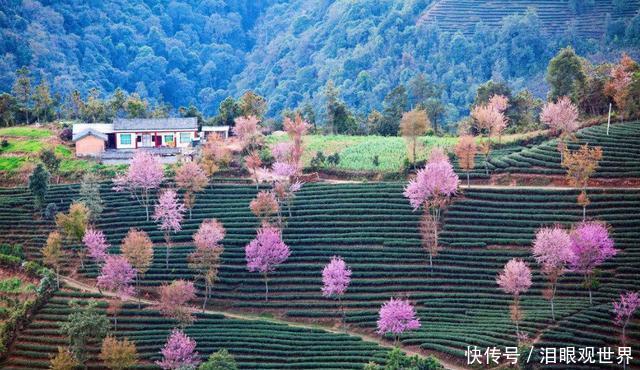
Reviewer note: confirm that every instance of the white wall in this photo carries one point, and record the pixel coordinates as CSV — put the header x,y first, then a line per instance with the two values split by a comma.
x,y
119,144
176,138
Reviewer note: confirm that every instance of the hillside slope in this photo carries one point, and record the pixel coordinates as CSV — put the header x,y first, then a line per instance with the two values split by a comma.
x,y
373,228
188,51
555,16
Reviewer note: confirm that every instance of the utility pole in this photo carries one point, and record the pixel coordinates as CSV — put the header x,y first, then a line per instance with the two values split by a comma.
x,y
609,120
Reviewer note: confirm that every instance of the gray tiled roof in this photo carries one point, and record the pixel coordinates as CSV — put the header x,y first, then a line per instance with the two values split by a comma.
x,y
190,123
91,132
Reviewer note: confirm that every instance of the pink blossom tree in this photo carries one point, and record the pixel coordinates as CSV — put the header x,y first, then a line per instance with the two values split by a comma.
x,y
174,298
296,128
179,352
192,179
515,279
591,245
169,214
145,174
499,103
247,131
336,277
96,244
552,250
432,188
117,276
397,316
265,253
561,117
206,257
624,310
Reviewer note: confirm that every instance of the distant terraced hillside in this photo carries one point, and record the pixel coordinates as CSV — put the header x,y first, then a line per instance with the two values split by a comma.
x,y
555,15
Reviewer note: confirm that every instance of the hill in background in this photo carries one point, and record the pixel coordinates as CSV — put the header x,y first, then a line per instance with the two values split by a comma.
x,y
200,52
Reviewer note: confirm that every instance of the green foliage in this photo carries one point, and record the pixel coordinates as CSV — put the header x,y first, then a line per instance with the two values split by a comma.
x,y
14,250
395,103
398,360
84,326
90,195
334,159
221,360
50,160
318,161
565,74
39,185
50,211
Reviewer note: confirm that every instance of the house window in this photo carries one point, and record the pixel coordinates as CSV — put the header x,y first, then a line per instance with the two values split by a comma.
x,y
185,137
168,139
125,139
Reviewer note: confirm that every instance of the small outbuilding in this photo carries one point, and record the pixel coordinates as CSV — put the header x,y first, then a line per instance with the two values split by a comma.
x,y
90,143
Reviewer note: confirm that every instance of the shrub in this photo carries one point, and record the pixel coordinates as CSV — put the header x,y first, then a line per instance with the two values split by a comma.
x,y
5,143
334,159
12,250
50,211
66,134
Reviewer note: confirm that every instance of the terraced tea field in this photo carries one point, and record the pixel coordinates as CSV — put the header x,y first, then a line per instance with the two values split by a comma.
x,y
373,228
621,153
555,16
255,344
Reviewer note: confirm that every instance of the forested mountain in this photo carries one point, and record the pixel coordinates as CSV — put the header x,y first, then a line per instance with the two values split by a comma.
x,y
200,52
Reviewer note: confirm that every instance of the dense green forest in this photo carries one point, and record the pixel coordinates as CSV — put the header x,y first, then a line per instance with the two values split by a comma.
x,y
179,53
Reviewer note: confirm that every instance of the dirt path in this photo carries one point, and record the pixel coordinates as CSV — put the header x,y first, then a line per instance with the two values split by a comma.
x,y
73,283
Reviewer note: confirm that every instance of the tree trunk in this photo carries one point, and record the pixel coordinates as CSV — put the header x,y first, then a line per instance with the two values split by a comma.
x,y
255,175
166,256
553,296
344,314
430,259
115,322
414,153
468,183
590,296
584,213
138,292
266,288
146,203
206,296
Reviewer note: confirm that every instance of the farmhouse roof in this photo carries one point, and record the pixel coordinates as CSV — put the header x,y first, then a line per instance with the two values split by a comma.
x,y
144,124
90,132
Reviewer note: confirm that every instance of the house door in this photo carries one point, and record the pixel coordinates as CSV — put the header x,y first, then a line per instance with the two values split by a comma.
x,y
158,141
146,141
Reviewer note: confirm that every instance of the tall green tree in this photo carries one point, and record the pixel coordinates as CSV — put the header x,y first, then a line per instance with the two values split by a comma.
x,y
43,102
252,104
90,195
227,112
565,74
395,104
331,94
51,161
39,185
8,109
85,325
22,90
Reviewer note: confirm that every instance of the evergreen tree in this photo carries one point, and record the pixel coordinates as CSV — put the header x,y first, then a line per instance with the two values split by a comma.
x,y
565,74
39,185
395,104
22,90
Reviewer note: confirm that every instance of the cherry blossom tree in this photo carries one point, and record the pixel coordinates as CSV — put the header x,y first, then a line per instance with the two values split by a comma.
x,y
491,120
116,276
466,150
145,174
247,131
137,248
619,85
432,188
169,215
206,257
591,245
253,164
397,316
265,253
191,178
336,277
265,206
581,164
499,103
624,309
515,279
296,128
561,117
552,250
96,244
174,298
179,352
